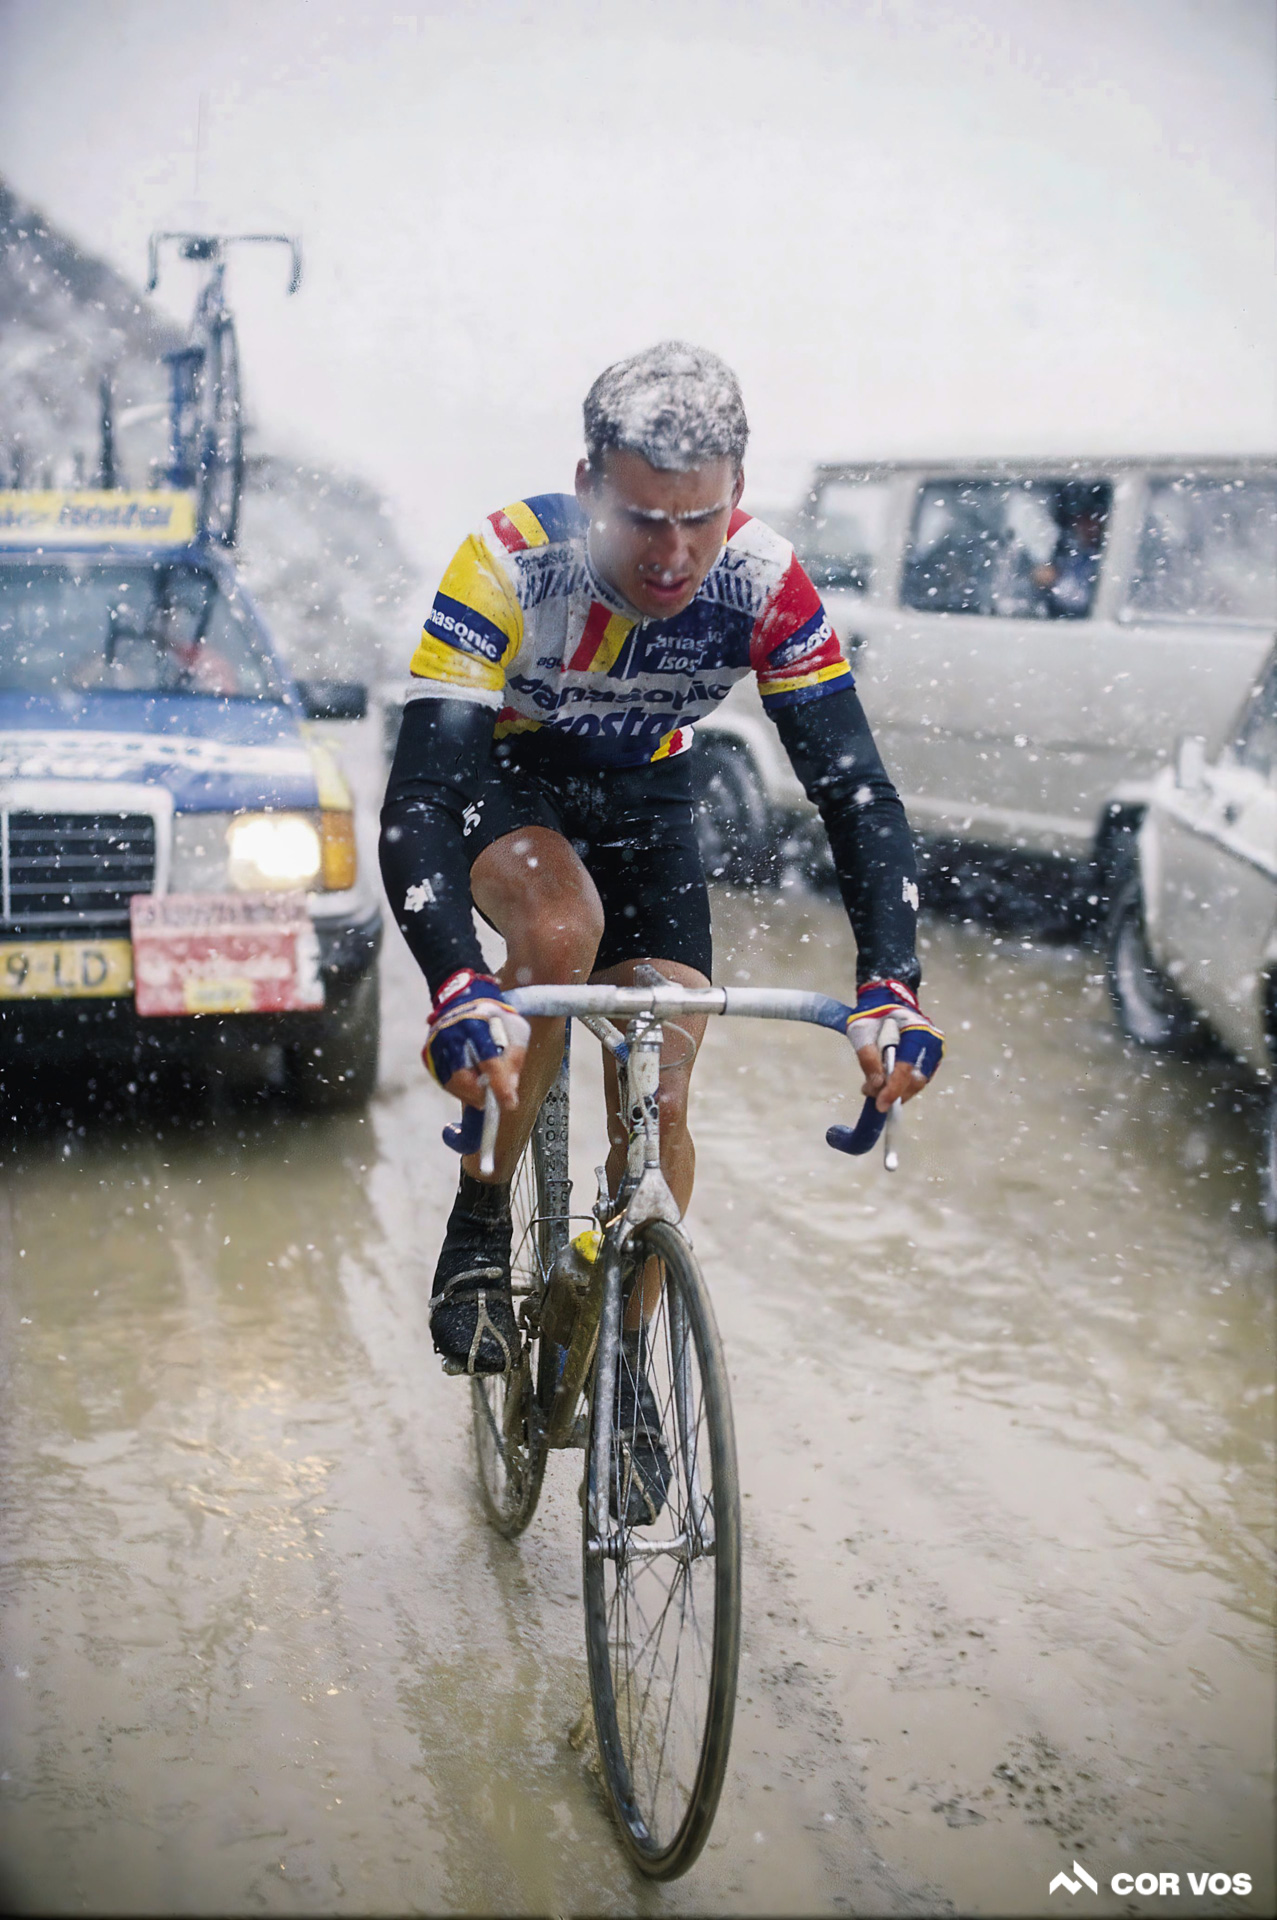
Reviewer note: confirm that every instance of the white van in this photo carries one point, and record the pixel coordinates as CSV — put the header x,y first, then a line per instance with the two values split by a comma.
x,y
1192,938
1029,638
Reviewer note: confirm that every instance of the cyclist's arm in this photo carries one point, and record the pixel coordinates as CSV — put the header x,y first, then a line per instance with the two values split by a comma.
x,y
832,751
443,746
807,688
458,675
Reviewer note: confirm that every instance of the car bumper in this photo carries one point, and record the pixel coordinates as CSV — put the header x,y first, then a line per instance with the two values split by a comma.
x,y
68,1028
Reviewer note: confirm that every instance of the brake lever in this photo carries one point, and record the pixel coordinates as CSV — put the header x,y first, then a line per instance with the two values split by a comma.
x,y
890,1156
867,1131
476,1131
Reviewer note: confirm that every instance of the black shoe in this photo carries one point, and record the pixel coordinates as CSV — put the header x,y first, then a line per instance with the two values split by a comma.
x,y
641,1466
471,1306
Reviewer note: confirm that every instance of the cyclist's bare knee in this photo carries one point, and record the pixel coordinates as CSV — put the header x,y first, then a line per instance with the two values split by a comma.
x,y
536,892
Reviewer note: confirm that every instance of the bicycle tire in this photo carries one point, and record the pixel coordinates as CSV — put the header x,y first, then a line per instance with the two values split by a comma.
x,y
663,1632
507,1409
221,435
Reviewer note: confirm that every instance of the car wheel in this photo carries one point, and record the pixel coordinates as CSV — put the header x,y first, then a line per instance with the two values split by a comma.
x,y
336,1066
733,819
1148,1009
1268,1164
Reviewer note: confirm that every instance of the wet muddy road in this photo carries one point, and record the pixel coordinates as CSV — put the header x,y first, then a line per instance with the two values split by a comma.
x,y
1006,1434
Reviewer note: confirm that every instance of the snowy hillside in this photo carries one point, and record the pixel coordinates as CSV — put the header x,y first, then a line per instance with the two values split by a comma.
x,y
317,547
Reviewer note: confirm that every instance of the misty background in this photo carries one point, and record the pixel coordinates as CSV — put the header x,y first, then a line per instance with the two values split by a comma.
x,y
1003,227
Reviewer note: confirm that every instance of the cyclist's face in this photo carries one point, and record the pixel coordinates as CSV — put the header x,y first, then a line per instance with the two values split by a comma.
x,y
653,535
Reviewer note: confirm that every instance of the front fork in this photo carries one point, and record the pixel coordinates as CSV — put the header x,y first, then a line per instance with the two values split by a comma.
x,y
644,1196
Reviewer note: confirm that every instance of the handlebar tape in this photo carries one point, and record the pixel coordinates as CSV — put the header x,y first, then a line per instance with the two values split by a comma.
x,y
865,1134
465,1135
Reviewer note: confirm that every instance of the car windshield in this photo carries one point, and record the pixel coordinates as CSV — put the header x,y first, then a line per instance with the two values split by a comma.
x,y
74,627
1208,550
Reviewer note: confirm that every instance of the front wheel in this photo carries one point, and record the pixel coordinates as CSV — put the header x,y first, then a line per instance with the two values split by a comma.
x,y
662,1597
221,436
1148,1009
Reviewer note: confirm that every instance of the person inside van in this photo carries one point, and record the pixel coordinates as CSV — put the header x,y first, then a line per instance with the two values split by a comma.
x,y
1068,579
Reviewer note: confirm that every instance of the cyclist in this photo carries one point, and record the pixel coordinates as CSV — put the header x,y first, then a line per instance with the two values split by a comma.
x,y
544,776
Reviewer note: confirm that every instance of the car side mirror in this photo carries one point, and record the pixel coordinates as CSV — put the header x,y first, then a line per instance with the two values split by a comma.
x,y
333,699
1190,761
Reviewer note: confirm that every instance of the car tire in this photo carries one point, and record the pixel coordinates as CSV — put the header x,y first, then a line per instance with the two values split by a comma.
x,y
335,1068
733,819
1149,1010
1268,1165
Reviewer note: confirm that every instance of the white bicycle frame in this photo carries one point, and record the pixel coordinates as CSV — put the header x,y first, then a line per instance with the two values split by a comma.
x,y
645,1195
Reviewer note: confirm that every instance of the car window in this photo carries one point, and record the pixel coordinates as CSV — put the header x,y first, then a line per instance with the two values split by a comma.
x,y
1208,549
1256,744
845,533
127,628
1018,548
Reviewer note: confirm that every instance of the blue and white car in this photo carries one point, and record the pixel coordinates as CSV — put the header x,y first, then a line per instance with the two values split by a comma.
x,y
179,872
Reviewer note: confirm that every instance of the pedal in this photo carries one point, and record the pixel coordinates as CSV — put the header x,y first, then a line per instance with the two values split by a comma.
x,y
459,1366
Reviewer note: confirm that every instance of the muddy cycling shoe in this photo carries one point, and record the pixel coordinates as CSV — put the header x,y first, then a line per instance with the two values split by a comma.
x,y
471,1307
640,1465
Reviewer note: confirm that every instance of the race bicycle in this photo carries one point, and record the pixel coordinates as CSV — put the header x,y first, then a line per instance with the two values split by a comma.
x,y
206,412
662,1587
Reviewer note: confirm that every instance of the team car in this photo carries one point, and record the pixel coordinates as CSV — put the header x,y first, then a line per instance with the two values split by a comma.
x,y
179,874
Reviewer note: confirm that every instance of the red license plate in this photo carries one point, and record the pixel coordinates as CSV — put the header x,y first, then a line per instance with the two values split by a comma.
x,y
224,953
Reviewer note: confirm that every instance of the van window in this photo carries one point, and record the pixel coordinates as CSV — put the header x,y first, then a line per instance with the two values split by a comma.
x,y
1019,548
845,533
1257,743
1208,549
121,627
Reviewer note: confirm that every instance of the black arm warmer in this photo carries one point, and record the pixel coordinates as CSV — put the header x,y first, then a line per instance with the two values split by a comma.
x,y
443,747
832,751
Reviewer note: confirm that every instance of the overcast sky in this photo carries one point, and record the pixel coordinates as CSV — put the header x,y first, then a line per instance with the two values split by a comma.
x,y
913,226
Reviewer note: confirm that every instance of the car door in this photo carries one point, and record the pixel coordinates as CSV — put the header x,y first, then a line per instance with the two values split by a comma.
x,y
1217,885
980,674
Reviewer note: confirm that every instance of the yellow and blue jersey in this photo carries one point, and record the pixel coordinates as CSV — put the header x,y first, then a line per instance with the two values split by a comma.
x,y
524,623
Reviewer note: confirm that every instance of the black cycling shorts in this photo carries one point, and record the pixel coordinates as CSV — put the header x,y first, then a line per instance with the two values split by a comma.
x,y
635,832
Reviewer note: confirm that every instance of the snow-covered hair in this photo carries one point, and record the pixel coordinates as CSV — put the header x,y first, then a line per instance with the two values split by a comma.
x,y
679,406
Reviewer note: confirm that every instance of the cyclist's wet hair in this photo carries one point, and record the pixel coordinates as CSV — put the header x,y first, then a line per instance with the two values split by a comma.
x,y
677,405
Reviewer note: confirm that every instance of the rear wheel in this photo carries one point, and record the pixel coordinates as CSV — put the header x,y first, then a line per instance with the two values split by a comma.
x,y
1148,1009
662,1600
508,1408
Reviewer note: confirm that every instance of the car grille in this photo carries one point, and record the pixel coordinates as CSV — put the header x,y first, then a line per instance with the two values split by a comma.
x,y
73,873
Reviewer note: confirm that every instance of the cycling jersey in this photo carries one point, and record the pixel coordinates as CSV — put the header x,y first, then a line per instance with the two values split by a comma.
x,y
524,623
534,688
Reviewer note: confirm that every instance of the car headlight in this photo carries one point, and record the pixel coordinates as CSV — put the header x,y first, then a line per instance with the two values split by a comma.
x,y
273,852
337,833
263,852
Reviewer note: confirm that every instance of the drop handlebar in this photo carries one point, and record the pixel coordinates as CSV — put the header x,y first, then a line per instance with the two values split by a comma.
x,y
477,1128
